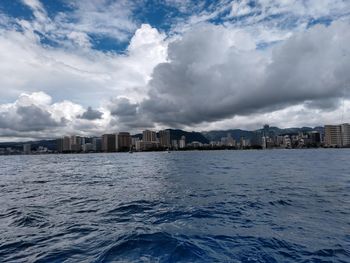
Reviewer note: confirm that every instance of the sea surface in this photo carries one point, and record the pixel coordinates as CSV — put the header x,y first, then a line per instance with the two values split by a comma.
x,y
199,206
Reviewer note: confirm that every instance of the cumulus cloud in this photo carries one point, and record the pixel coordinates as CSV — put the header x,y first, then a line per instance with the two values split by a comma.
x,y
28,113
126,115
27,118
123,107
91,114
198,74
84,76
209,77
36,116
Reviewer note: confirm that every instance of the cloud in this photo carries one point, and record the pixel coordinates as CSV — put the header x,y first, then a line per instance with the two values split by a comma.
x,y
107,18
28,113
210,77
222,64
36,116
126,115
299,115
268,21
91,114
123,107
73,28
32,118
86,76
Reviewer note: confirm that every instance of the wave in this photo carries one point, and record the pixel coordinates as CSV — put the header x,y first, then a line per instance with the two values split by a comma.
x,y
155,247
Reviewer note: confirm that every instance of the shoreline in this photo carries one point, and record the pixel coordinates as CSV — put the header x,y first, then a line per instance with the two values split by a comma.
x,y
174,151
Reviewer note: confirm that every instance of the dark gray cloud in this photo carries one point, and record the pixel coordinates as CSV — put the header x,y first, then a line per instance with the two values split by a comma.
x,y
91,114
123,107
126,115
208,78
28,118
327,104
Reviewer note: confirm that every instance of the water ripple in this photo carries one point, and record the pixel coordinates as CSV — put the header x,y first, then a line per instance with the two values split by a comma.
x,y
229,206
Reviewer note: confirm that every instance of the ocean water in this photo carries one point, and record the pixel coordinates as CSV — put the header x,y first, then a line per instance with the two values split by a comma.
x,y
210,206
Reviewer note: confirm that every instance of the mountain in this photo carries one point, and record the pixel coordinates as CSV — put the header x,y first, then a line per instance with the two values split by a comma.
x,y
235,134
190,136
50,144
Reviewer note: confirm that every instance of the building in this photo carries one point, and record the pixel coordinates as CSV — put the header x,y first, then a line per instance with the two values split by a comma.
x,y
138,145
279,140
244,142
315,137
266,130
76,143
287,142
182,142
230,141
149,136
196,144
66,144
27,148
333,136
164,138
59,145
345,135
123,141
108,142
42,149
256,139
76,140
174,144
87,147
145,146
264,142
148,142
76,147
134,140
96,144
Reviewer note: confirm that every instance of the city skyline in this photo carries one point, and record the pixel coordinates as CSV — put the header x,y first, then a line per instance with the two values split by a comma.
x,y
102,66
329,136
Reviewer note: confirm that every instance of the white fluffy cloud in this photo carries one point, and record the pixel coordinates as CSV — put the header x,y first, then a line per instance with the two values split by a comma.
x,y
85,76
199,75
211,77
35,115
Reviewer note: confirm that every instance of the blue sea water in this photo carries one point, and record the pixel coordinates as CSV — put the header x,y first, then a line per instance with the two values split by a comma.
x,y
200,206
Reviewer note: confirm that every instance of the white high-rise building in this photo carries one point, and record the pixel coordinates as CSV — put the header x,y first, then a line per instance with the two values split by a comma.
x,y
182,142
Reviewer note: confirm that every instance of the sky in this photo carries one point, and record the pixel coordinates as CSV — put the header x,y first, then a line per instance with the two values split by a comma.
x,y
100,66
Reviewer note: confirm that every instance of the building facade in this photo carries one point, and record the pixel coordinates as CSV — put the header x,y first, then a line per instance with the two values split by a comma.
x,y
66,144
333,136
149,136
27,148
108,142
182,142
345,134
164,138
123,141
96,144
